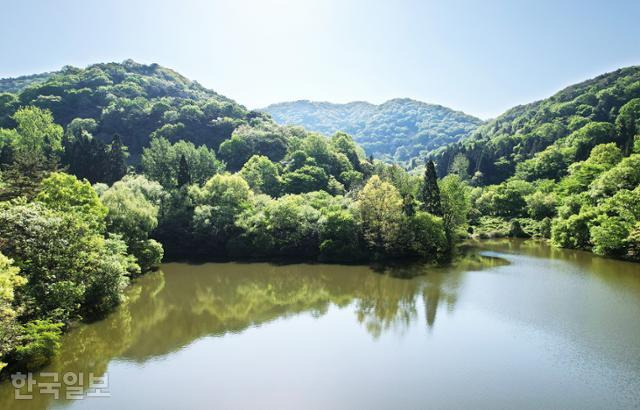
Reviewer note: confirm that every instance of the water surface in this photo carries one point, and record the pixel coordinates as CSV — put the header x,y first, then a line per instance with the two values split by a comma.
x,y
513,325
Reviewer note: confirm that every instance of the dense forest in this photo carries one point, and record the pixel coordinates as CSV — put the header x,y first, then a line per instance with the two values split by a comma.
x,y
397,130
17,84
566,168
107,170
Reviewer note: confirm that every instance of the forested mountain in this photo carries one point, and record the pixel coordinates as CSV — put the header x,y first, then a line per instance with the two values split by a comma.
x,y
578,117
17,84
131,100
566,168
397,130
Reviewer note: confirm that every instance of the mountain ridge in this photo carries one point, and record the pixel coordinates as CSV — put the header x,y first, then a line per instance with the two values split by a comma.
x,y
397,129
496,147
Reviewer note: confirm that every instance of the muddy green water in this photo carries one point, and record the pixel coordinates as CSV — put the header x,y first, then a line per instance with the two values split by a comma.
x,y
513,325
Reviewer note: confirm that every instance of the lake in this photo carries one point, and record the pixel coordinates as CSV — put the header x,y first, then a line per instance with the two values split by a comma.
x,y
513,324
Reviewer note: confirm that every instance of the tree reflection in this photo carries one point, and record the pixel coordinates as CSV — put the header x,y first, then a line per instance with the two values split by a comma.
x,y
166,311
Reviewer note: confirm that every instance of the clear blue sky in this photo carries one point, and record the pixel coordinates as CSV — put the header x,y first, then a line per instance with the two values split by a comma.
x,y
481,57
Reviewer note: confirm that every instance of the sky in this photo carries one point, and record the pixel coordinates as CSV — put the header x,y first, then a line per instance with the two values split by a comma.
x,y
481,56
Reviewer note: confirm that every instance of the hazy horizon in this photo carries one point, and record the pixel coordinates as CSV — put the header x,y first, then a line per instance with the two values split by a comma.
x,y
481,59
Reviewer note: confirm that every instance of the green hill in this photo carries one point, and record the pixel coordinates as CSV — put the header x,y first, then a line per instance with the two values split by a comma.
x,y
502,147
132,100
398,129
17,84
566,168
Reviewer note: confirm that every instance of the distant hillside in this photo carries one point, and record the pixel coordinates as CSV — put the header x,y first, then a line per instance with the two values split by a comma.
x,y
398,129
572,121
17,84
132,100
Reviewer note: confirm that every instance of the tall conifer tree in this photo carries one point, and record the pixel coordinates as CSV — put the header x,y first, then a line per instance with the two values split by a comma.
x,y
429,192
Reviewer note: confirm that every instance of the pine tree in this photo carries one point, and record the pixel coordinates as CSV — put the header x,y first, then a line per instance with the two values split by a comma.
x,y
116,160
408,205
429,193
22,177
184,175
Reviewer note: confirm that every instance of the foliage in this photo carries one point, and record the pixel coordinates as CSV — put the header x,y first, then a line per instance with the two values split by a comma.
x,y
136,102
381,212
246,141
65,193
89,158
397,130
162,162
9,281
456,205
63,260
541,139
38,341
262,175
36,135
429,193
133,205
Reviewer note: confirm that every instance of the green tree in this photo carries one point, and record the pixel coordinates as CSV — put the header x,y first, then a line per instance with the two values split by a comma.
x,y
62,259
456,204
628,123
161,162
37,135
460,167
308,178
217,204
625,175
133,213
65,193
262,175
340,236
429,193
116,158
381,212
184,175
38,342
9,281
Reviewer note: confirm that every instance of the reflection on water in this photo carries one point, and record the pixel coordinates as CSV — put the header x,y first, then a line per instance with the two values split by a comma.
x,y
567,296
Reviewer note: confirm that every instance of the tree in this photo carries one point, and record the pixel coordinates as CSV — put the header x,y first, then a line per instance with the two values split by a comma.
x,y
340,237
38,341
633,243
133,213
572,232
428,239
22,178
628,123
541,205
609,235
116,157
9,328
184,175
63,261
309,178
429,193
456,205
37,135
506,199
266,139
380,207
262,175
625,175
162,162
460,167
65,193
217,205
